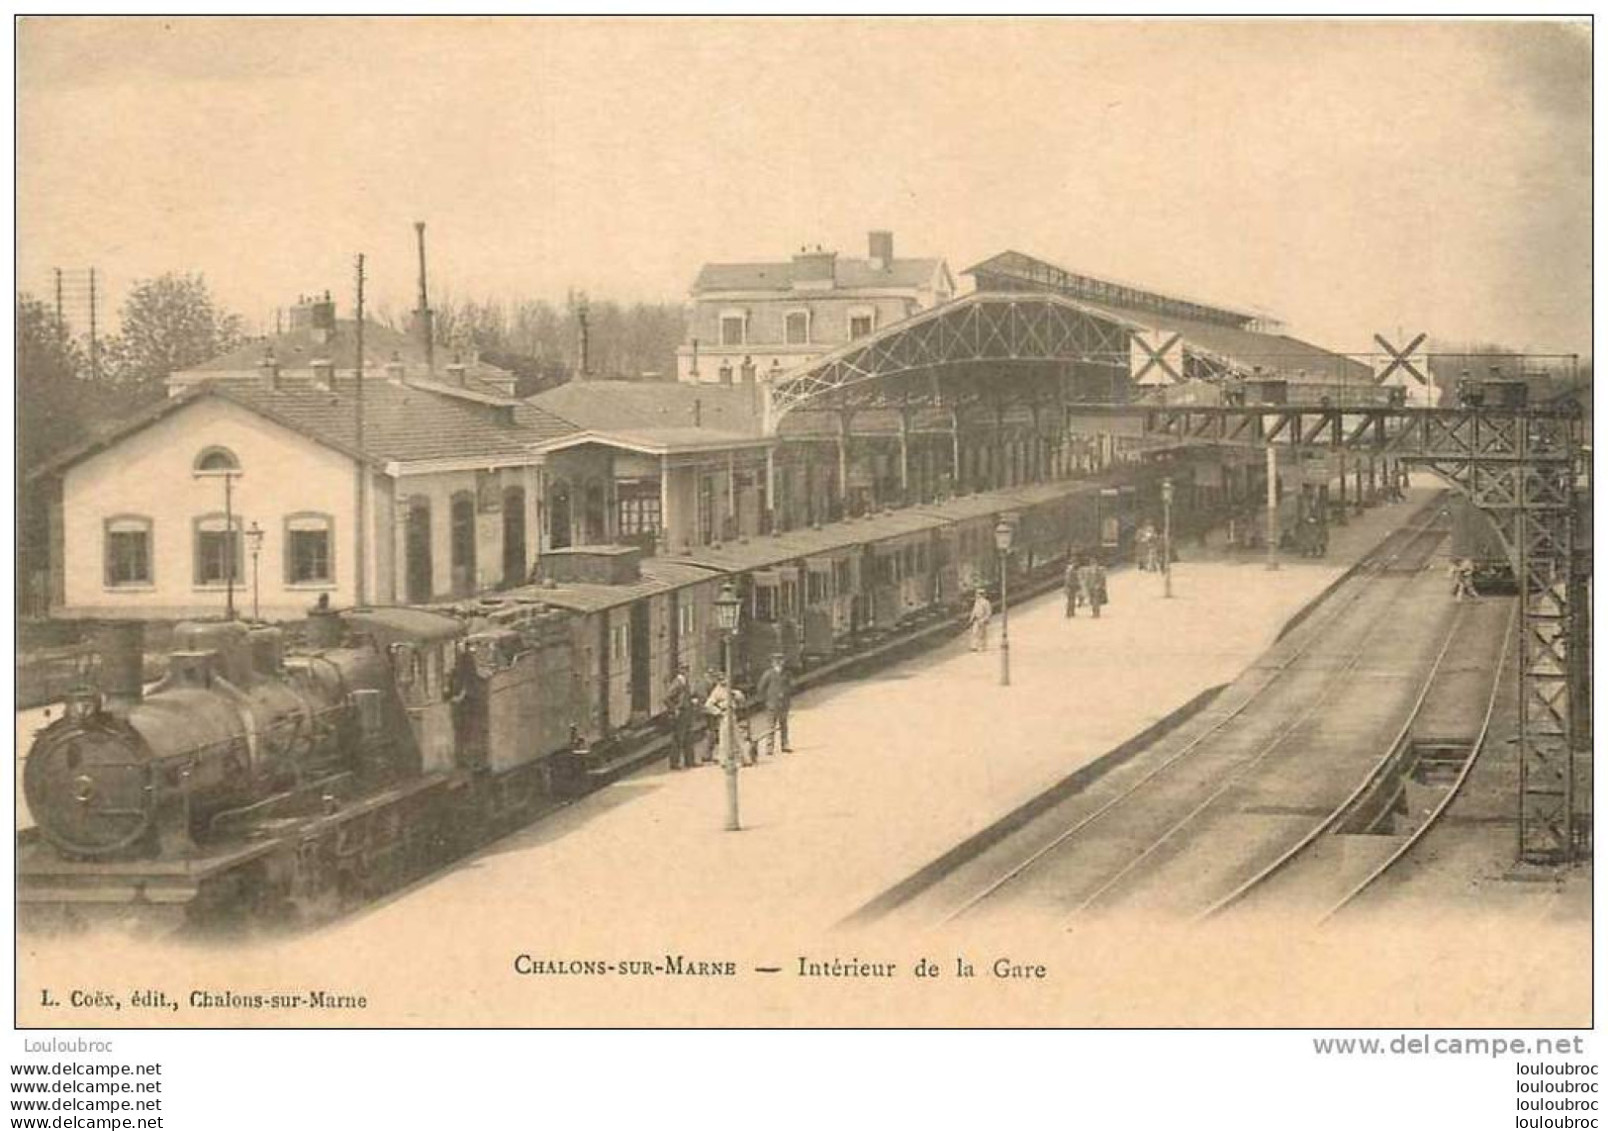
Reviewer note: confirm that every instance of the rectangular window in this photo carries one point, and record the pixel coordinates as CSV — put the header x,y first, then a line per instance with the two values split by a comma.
x,y
798,328
689,619
307,550
840,576
732,329
860,325
128,551
639,510
218,558
621,643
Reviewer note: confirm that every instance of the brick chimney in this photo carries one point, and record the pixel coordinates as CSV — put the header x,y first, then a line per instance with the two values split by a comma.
x,y
881,249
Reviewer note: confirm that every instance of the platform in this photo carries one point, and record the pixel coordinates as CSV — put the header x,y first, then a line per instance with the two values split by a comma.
x,y
888,771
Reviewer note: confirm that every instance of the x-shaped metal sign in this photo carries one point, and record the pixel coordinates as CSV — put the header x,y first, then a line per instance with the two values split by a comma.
x,y
1151,362
1402,359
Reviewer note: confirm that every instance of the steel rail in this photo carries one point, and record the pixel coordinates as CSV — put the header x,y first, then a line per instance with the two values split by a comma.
x,y
1234,776
1445,802
1375,568
1372,776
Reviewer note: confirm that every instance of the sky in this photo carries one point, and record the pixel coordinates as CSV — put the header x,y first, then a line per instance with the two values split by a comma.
x,y
1350,177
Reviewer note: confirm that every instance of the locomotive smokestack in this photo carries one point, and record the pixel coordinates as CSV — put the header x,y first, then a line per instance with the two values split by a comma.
x,y
121,648
423,319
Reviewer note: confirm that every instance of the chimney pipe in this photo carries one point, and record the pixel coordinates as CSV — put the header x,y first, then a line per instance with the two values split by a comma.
x,y
423,319
121,648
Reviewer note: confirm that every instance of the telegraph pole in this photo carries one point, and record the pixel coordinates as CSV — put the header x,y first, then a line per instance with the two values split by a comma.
x,y
61,323
360,590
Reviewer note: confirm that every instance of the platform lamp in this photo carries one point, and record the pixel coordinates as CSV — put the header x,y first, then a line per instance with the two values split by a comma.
x,y
728,611
254,535
1002,541
1166,536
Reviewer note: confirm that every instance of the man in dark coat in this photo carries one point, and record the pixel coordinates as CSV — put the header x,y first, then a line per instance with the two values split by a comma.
x,y
1073,587
678,705
776,689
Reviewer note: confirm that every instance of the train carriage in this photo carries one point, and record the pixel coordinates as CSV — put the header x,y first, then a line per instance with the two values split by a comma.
x,y
432,729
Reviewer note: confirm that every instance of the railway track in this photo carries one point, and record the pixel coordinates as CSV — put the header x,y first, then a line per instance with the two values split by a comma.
x,y
1099,844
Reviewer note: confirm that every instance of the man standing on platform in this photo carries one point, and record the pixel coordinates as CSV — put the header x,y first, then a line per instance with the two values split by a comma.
x,y
776,689
678,705
982,612
1072,585
1092,580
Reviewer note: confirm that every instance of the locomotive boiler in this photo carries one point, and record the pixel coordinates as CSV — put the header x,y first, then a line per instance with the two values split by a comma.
x,y
232,729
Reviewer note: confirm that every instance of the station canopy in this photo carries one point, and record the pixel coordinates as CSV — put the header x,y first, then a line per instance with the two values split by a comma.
x,y
1032,335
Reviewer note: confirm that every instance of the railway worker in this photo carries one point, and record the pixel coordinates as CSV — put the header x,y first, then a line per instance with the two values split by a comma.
x,y
1092,580
1145,547
720,699
1072,586
679,706
776,689
709,707
981,613
1463,579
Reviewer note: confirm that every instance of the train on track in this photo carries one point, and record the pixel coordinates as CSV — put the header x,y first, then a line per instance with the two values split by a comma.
x,y
264,780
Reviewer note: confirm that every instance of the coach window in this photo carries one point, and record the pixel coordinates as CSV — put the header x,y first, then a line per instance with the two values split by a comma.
x,y
128,551
218,557
309,549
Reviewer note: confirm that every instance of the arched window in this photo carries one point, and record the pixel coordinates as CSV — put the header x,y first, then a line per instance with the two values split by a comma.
x,y
216,461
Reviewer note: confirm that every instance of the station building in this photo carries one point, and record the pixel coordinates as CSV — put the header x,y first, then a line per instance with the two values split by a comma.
x,y
252,484
752,320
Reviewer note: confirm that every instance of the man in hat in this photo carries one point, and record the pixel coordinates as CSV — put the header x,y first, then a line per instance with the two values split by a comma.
x,y
678,705
776,689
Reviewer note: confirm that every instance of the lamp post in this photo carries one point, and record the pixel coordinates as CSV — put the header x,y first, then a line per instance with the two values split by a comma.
x,y
728,608
254,536
1166,536
1002,540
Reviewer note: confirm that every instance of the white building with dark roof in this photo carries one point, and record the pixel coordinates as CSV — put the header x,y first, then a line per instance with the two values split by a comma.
x,y
748,319
254,485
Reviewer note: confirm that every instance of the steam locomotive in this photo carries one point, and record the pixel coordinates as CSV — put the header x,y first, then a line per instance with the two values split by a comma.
x,y
263,782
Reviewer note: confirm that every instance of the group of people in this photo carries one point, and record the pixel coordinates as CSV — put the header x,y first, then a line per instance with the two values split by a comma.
x,y
711,700
1462,574
1084,584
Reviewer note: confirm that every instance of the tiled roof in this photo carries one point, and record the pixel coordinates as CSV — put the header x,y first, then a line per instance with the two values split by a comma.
x,y
400,422
848,273
628,406
403,423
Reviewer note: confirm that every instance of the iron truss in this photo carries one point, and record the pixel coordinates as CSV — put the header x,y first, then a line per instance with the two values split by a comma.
x,y
1522,468
936,357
